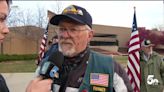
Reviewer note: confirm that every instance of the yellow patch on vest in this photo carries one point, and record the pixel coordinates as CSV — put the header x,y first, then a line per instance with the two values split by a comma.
x,y
99,89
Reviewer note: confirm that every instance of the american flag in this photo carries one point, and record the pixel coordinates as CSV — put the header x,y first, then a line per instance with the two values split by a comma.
x,y
133,67
42,47
99,79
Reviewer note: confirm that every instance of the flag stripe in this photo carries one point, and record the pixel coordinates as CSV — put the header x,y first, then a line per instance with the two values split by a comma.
x,y
135,58
134,40
133,69
138,57
134,33
132,48
134,63
134,44
133,82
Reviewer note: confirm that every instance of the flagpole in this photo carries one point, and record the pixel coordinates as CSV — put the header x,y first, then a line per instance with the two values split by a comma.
x,y
163,16
134,9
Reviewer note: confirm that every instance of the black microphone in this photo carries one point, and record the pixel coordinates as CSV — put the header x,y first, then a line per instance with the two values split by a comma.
x,y
57,58
49,68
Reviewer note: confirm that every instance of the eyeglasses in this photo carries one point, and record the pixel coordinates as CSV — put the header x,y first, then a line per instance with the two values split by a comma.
x,y
73,30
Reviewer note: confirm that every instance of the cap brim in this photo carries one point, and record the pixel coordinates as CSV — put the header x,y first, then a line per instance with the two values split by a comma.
x,y
57,18
150,45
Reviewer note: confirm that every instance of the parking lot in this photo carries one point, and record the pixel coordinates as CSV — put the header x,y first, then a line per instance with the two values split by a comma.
x,y
17,82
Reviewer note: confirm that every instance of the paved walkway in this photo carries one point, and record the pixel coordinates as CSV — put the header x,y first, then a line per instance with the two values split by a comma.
x,y
17,82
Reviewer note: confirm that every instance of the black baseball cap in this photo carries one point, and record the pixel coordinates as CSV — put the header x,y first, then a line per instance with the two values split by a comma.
x,y
75,13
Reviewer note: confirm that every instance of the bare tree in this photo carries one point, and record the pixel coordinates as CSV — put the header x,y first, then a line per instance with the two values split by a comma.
x,y
13,19
159,27
41,18
26,18
18,17
58,7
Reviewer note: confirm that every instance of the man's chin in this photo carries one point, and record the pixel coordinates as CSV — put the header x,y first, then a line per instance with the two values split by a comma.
x,y
67,51
66,47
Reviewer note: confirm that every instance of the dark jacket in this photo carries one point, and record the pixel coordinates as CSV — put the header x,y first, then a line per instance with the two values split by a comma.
x,y
3,86
52,49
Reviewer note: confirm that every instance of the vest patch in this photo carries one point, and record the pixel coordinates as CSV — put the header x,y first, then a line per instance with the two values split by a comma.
x,y
99,79
99,89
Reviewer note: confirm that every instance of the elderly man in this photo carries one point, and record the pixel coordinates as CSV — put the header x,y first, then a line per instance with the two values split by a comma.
x,y
152,68
83,70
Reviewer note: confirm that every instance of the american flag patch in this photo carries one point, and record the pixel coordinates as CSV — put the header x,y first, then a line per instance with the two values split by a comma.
x,y
99,79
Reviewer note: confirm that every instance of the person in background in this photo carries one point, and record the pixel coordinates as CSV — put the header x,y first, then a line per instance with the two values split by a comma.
x,y
83,70
152,68
53,46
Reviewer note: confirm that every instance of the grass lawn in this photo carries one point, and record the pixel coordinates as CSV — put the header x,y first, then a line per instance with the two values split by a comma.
x,y
17,66
29,66
121,60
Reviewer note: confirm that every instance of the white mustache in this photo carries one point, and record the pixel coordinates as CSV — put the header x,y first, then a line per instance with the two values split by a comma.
x,y
68,41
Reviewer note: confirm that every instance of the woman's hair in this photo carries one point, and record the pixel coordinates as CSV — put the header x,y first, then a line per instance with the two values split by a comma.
x,y
9,2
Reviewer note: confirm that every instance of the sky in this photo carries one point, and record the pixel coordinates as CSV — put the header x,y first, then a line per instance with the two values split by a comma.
x,y
150,14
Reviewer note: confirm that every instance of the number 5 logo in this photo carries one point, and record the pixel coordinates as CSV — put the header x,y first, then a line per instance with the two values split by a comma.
x,y
151,80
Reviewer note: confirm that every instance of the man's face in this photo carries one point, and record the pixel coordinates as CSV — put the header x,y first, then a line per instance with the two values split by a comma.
x,y
73,37
147,50
3,15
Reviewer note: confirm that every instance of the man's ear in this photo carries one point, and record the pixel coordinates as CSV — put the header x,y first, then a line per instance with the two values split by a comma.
x,y
90,35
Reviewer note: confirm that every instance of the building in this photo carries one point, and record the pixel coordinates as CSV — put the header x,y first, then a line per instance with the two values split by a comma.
x,y
22,40
27,39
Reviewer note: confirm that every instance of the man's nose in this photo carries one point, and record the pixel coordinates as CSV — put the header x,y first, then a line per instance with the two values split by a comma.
x,y
65,34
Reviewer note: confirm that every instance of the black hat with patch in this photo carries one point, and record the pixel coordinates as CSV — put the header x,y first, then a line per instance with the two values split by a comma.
x,y
75,13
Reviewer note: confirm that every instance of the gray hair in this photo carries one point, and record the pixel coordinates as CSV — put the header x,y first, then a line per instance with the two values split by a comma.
x,y
88,28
